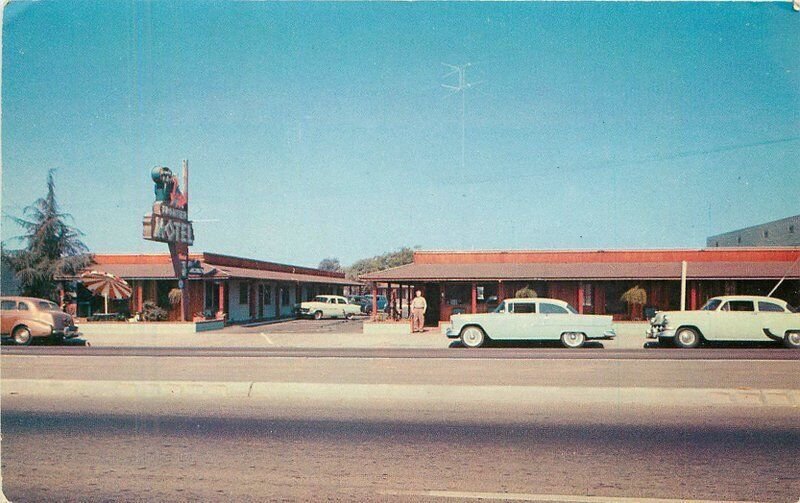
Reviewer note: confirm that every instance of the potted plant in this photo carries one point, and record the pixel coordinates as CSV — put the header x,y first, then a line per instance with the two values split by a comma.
x,y
636,298
526,293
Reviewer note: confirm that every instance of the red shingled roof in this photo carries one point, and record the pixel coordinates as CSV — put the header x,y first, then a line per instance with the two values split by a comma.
x,y
708,263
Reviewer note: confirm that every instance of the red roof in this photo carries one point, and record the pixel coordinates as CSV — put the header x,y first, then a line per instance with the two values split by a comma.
x,y
159,266
595,265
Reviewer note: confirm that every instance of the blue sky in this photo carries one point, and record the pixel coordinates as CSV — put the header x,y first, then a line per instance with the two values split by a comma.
x,y
322,129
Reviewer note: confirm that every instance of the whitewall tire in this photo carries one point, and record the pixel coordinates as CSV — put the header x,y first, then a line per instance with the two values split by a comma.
x,y
573,339
687,338
473,337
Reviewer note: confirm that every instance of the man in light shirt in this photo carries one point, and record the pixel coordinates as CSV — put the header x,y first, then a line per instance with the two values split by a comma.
x,y
418,307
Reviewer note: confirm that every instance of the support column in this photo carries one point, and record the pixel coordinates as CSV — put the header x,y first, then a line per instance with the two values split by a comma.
x,y
693,296
580,297
474,303
252,299
400,298
501,292
139,296
221,306
374,301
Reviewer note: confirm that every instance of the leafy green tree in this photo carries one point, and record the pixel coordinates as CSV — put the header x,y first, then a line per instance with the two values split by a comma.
x,y
330,264
402,256
52,247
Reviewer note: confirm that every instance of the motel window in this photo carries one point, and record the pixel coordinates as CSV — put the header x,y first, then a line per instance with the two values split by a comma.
x,y
588,295
244,293
284,296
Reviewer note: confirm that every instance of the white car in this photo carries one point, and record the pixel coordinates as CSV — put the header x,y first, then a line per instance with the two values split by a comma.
x,y
729,318
530,319
330,306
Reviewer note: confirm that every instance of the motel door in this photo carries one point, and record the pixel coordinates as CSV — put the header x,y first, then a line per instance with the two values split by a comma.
x,y
260,301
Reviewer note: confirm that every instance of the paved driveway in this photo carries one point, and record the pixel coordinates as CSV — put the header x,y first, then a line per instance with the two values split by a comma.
x,y
339,326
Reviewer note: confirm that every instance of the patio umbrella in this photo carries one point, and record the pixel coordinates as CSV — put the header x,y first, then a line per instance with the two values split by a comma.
x,y
107,285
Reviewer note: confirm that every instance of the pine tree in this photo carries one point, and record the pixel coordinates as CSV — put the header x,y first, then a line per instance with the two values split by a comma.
x,y
52,248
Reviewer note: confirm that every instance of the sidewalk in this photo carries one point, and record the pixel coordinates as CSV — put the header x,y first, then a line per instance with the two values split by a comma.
x,y
629,336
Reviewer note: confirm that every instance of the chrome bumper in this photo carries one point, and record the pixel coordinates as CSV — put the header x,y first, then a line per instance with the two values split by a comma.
x,y
451,334
659,332
67,333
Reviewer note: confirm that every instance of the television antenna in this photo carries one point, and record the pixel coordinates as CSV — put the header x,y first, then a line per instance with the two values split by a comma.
x,y
463,85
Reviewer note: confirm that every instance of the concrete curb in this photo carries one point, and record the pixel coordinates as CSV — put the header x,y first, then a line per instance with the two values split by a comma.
x,y
371,395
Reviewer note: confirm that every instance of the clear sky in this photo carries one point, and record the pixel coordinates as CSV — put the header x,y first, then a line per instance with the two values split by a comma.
x,y
323,129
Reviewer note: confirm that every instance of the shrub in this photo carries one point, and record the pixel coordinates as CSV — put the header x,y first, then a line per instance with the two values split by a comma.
x,y
526,293
151,312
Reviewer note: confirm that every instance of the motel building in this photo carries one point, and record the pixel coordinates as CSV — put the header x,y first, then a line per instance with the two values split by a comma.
x,y
232,289
593,281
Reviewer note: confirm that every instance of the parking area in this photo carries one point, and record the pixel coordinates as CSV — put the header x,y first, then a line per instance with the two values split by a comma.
x,y
302,326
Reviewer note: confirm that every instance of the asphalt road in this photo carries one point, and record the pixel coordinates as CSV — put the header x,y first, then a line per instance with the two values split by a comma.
x,y
519,424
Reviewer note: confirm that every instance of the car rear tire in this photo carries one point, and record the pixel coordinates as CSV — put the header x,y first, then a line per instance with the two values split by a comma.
x,y
687,338
349,316
573,339
318,315
792,340
473,337
22,336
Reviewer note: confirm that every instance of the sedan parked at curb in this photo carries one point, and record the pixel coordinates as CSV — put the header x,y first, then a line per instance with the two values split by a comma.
x,y
729,318
25,318
537,319
328,306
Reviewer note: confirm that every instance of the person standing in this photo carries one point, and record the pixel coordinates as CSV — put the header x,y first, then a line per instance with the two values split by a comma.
x,y
418,307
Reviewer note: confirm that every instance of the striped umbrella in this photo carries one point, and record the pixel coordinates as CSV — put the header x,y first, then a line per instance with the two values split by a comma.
x,y
107,285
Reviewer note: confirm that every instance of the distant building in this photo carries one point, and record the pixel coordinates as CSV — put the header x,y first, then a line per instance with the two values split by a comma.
x,y
783,232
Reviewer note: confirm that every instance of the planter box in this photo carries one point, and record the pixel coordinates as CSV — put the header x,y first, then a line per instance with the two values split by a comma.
x,y
149,328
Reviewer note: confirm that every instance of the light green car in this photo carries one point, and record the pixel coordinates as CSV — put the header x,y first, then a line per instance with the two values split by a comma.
x,y
537,319
328,306
729,318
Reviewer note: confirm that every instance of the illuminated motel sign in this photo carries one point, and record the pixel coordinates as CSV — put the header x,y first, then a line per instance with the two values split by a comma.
x,y
169,223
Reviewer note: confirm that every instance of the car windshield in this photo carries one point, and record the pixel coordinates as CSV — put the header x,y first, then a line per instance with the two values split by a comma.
x,y
500,308
571,309
711,305
48,306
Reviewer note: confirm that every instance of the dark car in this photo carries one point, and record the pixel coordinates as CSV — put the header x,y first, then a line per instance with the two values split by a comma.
x,y
366,306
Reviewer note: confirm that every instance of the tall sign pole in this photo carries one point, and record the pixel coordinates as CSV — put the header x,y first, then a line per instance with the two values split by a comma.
x,y
169,223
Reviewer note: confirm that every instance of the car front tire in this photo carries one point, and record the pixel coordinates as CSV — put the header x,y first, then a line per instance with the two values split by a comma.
x,y
473,337
349,316
573,339
792,340
22,336
687,338
318,315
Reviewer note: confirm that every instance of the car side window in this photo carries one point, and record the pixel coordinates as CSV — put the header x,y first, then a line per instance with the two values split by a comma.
x,y
547,308
524,308
770,307
739,305
23,306
340,301
8,305
331,301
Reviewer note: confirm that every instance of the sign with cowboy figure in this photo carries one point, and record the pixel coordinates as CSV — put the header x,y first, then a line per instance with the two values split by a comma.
x,y
169,222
